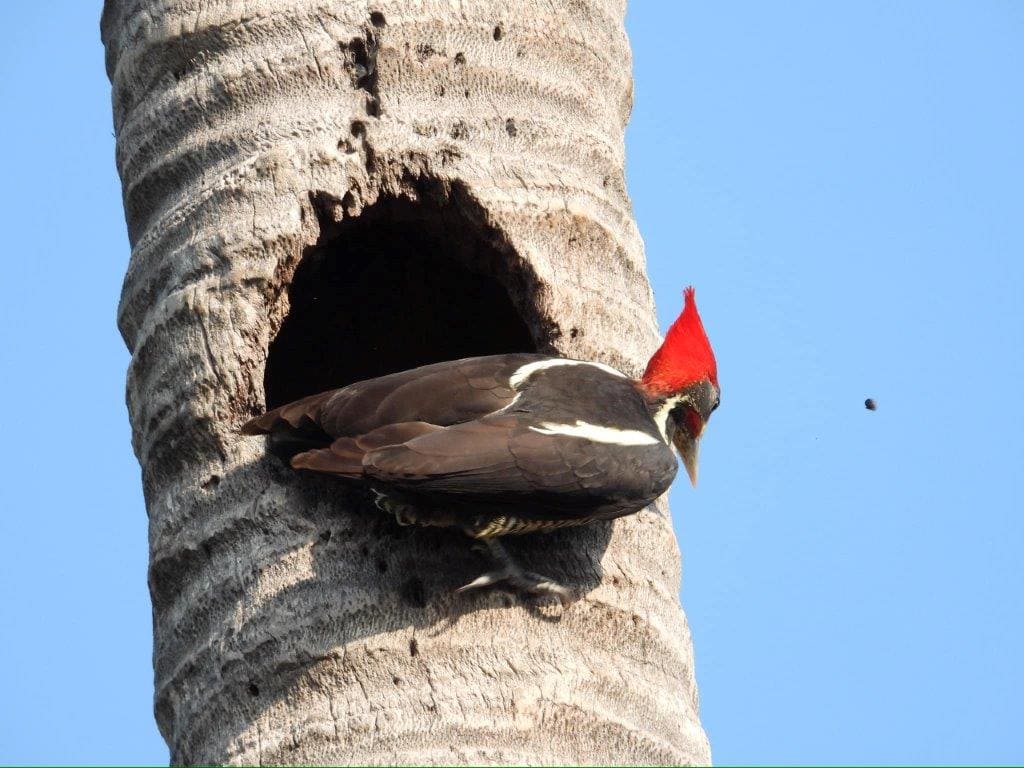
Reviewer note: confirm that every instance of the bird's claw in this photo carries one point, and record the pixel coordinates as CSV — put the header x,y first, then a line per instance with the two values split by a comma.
x,y
543,586
523,582
480,582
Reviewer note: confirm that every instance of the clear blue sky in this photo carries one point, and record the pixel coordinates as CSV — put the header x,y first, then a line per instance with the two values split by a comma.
x,y
843,184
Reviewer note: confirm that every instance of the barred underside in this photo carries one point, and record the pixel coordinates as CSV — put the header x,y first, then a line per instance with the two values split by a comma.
x,y
506,525
292,622
482,527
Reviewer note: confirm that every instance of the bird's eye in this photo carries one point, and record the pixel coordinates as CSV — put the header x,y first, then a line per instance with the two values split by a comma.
x,y
714,407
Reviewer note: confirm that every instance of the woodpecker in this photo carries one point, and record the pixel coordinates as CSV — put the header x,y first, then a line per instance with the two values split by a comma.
x,y
510,444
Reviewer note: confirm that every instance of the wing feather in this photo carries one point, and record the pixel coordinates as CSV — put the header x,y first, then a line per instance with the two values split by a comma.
x,y
444,394
345,455
492,455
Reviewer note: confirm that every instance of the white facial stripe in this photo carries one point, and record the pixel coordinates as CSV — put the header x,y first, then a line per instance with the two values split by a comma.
x,y
597,434
661,415
526,371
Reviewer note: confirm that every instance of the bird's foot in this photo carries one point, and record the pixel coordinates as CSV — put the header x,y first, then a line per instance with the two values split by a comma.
x,y
522,582
405,514
511,576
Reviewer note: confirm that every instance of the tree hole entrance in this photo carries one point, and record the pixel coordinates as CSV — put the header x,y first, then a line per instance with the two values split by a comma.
x,y
404,283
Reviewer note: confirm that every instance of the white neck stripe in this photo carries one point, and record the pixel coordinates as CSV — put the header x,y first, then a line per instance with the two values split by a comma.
x,y
661,415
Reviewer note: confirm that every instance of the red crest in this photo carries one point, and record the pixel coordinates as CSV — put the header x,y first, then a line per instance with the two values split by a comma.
x,y
685,357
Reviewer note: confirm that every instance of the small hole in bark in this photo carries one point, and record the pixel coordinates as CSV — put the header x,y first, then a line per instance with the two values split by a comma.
x,y
460,58
498,33
574,332
414,647
254,689
466,93
396,680
358,128
211,482
364,551
382,565
510,127
413,593
325,536
372,106
377,19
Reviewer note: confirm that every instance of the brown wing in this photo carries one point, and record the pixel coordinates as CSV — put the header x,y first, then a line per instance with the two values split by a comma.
x,y
494,455
345,455
301,414
445,393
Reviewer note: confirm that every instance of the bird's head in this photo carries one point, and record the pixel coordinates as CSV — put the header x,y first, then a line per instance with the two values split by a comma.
x,y
681,384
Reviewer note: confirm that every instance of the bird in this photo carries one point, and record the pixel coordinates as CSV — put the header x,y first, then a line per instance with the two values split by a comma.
x,y
510,444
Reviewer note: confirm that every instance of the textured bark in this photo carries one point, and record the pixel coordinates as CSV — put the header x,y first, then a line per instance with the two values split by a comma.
x,y
272,152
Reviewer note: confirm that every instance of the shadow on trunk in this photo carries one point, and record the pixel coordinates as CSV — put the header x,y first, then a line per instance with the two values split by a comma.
x,y
368,577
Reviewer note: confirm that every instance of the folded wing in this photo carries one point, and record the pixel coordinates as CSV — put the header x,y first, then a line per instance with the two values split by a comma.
x,y
445,393
501,461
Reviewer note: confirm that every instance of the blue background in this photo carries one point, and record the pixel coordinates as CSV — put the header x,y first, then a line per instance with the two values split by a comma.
x,y
841,181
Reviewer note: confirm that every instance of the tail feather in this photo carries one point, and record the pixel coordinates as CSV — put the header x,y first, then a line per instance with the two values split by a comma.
x,y
343,458
299,415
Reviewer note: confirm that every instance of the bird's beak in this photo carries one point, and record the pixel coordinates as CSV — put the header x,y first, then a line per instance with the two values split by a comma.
x,y
689,451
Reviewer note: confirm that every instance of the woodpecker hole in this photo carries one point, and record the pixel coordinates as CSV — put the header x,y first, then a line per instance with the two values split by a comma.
x,y
377,19
407,282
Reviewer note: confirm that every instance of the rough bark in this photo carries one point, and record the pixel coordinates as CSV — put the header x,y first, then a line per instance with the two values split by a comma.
x,y
316,192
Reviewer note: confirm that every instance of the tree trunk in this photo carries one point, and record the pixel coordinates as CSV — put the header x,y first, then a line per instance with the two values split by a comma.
x,y
317,193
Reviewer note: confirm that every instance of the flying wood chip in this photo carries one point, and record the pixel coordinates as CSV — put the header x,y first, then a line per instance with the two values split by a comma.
x,y
870,404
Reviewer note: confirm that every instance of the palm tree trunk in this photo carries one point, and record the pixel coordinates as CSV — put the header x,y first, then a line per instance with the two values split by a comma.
x,y
320,192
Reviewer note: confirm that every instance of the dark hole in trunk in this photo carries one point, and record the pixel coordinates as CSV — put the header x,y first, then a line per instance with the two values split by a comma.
x,y
405,283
